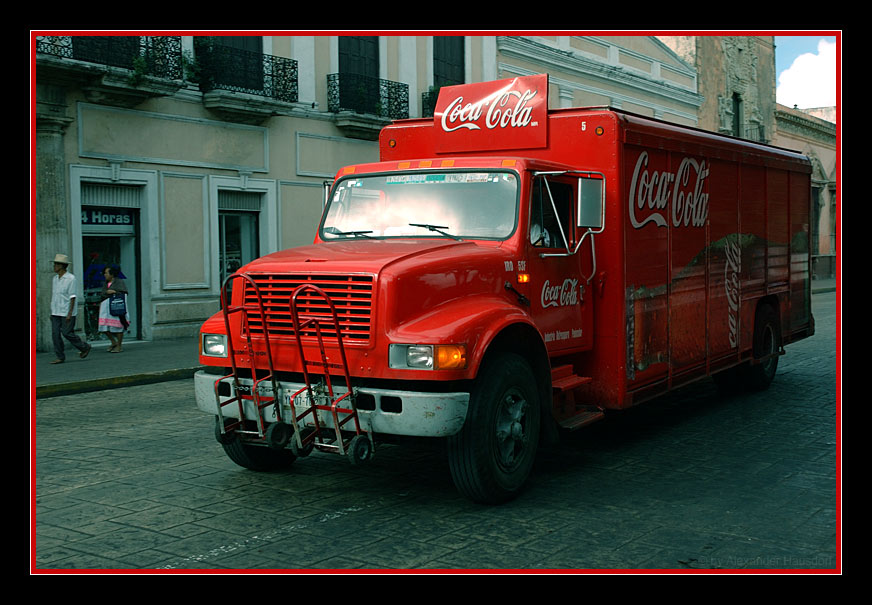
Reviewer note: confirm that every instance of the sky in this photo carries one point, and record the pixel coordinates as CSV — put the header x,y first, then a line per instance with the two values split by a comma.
x,y
806,71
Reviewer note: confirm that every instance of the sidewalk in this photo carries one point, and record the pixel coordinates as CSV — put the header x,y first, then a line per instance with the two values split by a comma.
x,y
819,286
143,362
140,362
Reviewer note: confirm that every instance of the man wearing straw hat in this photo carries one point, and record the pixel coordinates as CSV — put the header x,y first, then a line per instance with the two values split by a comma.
x,y
63,310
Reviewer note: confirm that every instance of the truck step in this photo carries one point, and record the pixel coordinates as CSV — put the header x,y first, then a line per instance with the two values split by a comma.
x,y
564,378
581,418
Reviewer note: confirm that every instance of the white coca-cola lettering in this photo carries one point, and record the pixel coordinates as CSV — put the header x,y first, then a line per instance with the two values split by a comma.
x,y
731,286
563,295
654,191
466,114
501,112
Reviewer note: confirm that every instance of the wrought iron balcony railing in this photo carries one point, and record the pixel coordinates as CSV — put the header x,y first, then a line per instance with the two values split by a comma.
x,y
159,56
225,68
428,103
366,95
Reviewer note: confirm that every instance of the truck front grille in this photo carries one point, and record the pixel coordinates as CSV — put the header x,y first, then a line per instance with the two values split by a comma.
x,y
351,295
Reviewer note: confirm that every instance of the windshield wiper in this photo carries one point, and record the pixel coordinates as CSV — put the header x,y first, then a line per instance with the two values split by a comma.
x,y
335,231
437,229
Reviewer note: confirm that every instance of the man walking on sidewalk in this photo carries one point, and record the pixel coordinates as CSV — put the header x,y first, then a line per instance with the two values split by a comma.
x,y
63,310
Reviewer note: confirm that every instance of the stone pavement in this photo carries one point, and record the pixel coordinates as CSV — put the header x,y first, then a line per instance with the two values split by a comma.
x,y
143,362
695,482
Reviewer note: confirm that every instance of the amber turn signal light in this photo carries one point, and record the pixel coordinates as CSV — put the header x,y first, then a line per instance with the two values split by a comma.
x,y
450,357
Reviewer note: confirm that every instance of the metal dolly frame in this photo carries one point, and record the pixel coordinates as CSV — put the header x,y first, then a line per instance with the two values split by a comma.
x,y
227,432
359,447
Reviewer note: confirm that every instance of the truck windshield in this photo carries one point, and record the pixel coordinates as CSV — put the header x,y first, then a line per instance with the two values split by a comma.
x,y
461,205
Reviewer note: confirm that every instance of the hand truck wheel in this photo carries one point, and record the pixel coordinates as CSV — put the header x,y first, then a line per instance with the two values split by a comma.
x,y
359,449
307,448
278,434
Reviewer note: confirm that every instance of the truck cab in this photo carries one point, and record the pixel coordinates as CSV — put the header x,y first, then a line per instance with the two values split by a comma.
x,y
433,269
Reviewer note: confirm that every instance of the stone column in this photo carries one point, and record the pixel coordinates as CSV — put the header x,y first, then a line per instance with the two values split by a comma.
x,y
51,212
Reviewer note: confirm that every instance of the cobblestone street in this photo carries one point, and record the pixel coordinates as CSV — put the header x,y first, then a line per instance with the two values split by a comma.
x,y
133,478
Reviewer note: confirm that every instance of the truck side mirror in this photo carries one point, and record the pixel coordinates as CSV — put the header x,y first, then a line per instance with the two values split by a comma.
x,y
325,192
591,202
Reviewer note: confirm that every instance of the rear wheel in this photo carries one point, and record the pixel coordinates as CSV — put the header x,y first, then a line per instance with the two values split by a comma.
x,y
767,344
491,457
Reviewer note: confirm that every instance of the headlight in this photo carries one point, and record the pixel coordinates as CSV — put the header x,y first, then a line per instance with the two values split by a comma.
x,y
427,357
419,356
215,345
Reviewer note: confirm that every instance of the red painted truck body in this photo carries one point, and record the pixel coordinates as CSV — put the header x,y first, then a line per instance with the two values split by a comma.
x,y
604,257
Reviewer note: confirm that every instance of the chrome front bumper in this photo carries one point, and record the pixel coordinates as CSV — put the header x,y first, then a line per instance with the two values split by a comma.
x,y
412,413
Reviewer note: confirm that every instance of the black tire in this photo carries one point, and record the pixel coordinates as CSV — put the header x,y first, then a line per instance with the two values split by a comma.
x,y
359,450
255,457
492,456
223,437
278,435
767,341
307,448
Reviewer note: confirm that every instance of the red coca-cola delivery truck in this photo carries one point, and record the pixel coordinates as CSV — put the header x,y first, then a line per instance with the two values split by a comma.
x,y
506,271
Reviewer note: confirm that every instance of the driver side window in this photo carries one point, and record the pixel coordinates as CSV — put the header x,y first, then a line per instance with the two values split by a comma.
x,y
547,228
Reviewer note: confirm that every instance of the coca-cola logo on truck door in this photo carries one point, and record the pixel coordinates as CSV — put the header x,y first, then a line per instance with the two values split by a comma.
x,y
505,114
664,197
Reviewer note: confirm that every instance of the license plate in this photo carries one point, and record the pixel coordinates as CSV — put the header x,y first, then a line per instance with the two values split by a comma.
x,y
301,400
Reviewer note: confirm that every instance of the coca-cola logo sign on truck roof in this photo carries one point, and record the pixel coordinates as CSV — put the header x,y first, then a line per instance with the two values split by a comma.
x,y
505,114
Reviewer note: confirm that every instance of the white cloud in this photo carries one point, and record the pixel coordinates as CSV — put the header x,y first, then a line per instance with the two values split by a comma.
x,y
811,80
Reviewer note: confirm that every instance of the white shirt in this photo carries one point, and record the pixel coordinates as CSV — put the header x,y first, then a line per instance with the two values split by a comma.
x,y
63,289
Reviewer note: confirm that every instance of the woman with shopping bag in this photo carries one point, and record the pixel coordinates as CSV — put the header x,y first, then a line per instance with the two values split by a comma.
x,y
114,318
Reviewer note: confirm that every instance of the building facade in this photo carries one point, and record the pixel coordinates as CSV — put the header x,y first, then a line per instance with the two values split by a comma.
x,y
180,158
736,81
813,132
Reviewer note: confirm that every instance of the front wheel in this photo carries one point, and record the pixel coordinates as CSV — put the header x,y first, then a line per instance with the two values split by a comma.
x,y
492,456
253,457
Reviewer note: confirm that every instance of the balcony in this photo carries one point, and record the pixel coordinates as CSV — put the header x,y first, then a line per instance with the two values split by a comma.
x,y
431,96
243,85
363,105
119,70
428,102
